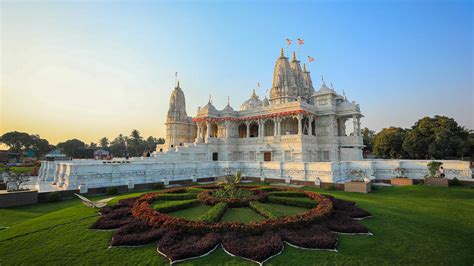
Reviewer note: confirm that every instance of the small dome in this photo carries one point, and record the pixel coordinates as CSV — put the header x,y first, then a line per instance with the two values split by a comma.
x,y
228,109
253,102
324,88
209,107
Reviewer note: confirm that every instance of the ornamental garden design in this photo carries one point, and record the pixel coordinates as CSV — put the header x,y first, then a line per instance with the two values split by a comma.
x,y
313,223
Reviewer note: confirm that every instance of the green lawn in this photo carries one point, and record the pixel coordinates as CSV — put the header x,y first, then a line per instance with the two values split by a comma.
x,y
287,210
411,225
245,215
191,213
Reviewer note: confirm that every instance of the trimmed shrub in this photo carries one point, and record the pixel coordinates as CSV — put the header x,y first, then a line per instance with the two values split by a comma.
x,y
259,247
172,206
291,194
53,197
455,182
175,196
207,197
341,223
177,245
299,202
316,236
265,210
215,213
111,191
135,233
433,169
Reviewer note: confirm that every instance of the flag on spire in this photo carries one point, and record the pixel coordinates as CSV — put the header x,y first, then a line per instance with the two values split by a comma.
x,y
310,59
300,41
288,41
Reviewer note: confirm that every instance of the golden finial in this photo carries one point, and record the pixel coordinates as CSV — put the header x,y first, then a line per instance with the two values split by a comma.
x,y
294,56
304,67
282,53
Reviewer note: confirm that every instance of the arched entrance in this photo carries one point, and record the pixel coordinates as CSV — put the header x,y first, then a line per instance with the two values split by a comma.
x,y
269,128
242,130
253,130
289,126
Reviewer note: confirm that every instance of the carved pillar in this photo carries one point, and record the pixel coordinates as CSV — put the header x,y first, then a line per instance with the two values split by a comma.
x,y
278,126
310,127
208,129
262,130
227,129
358,126
275,127
354,122
247,123
300,124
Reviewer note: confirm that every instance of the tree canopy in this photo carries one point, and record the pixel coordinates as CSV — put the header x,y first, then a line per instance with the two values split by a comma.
x,y
20,142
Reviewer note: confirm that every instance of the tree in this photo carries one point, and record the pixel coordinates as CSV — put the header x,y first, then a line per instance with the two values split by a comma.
x,y
71,147
16,141
137,144
367,137
20,142
104,143
117,146
16,180
439,137
92,145
388,143
151,143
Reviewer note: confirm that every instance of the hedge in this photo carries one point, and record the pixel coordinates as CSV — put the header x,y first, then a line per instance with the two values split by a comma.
x,y
265,210
299,202
291,194
175,196
172,206
215,213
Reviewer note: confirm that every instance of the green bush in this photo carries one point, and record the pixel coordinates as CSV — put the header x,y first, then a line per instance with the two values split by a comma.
x,y
433,168
265,210
172,206
112,191
455,182
332,188
215,213
158,186
299,202
53,197
291,194
175,196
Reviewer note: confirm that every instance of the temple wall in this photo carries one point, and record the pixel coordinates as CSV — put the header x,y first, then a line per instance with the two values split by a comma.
x,y
95,174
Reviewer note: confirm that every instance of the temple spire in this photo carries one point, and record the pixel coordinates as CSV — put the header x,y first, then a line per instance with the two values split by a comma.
x,y
304,67
294,57
177,84
282,53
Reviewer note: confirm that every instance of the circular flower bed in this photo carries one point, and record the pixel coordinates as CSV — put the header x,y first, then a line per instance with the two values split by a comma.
x,y
139,222
212,197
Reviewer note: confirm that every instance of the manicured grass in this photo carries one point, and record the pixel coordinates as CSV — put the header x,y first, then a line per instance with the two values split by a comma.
x,y
286,210
192,213
245,215
411,225
22,169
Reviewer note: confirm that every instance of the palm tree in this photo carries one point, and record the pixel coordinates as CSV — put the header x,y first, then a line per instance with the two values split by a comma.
x,y
104,142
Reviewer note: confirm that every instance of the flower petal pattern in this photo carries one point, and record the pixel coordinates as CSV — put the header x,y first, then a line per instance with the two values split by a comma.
x,y
138,223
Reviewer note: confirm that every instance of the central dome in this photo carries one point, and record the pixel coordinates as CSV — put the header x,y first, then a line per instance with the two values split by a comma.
x,y
253,102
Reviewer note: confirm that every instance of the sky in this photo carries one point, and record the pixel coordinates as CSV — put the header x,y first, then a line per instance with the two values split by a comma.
x,y
89,69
